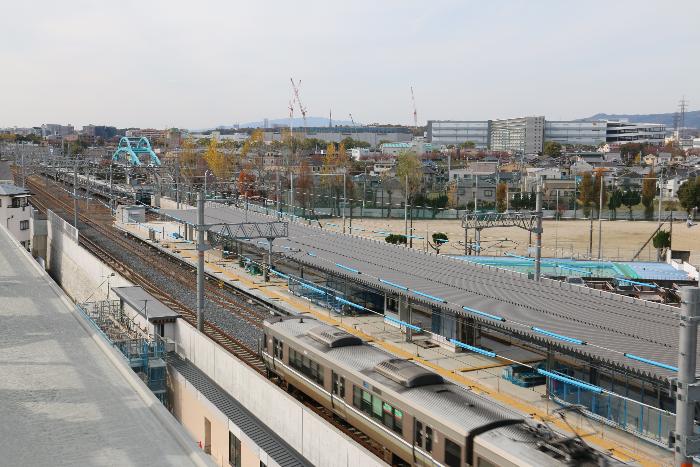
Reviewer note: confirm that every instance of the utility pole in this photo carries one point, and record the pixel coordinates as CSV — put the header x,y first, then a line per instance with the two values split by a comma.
x,y
538,234
687,443
75,192
600,220
345,199
291,194
200,261
111,189
661,193
405,210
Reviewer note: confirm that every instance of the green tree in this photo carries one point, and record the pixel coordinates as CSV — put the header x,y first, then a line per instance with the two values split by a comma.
x,y
501,193
689,194
615,201
517,202
439,239
662,241
552,149
395,239
586,192
350,143
468,145
630,198
648,195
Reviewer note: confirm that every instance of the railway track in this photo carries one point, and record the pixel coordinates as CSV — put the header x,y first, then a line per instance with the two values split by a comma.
x,y
100,220
231,343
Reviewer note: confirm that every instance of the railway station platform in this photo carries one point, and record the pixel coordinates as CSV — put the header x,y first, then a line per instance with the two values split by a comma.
x,y
66,397
480,373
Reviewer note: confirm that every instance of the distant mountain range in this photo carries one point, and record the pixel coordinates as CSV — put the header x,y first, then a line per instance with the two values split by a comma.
x,y
296,123
692,119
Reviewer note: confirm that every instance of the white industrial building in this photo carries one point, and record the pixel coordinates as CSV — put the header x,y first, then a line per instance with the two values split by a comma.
x,y
528,134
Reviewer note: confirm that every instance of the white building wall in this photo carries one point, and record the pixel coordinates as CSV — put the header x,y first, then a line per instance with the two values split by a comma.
x,y
16,220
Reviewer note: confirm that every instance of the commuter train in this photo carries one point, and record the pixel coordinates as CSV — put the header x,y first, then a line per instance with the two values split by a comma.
x,y
418,417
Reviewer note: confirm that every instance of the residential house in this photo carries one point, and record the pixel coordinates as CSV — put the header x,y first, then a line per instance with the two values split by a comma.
x,y
15,212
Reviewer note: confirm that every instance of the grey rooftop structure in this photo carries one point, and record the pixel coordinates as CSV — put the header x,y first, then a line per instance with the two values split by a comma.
x,y
12,190
66,397
145,304
603,326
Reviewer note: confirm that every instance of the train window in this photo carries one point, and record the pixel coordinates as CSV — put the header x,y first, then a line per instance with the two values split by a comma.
x,y
366,402
453,453
398,421
388,415
419,434
357,397
338,385
306,366
377,408
428,439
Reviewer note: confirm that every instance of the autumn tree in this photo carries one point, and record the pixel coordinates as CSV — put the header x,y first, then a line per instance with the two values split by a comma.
x,y
303,186
501,193
191,164
648,195
409,171
552,149
586,192
246,182
217,161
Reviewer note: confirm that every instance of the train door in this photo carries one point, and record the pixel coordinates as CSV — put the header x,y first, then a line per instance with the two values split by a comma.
x,y
338,392
423,439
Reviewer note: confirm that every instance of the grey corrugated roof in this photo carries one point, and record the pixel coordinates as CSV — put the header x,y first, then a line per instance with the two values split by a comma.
x,y
615,322
144,303
264,437
12,190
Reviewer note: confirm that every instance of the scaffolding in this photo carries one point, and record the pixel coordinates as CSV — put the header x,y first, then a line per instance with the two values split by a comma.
x,y
146,354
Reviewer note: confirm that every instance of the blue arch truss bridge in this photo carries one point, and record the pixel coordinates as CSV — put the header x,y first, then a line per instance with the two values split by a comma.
x,y
132,148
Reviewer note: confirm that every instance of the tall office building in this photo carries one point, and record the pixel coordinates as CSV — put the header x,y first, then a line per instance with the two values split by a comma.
x,y
576,133
518,135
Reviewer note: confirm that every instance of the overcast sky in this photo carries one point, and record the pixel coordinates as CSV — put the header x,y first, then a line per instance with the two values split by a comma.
x,y
153,63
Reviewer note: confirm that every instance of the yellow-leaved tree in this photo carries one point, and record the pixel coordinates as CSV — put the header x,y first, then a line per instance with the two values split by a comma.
x,y
219,164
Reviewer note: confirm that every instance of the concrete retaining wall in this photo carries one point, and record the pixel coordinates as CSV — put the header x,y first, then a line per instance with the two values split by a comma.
x,y
305,431
77,271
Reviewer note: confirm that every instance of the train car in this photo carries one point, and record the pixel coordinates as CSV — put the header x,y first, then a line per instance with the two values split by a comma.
x,y
418,417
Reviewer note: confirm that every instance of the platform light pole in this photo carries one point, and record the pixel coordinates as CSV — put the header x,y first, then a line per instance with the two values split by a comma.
x,y
687,443
538,232
600,220
200,261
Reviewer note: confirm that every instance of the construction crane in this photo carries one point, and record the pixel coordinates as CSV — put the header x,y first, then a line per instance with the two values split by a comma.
x,y
291,118
302,109
415,112
353,124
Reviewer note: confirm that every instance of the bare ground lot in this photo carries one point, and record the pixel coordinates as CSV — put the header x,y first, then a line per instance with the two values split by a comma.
x,y
621,239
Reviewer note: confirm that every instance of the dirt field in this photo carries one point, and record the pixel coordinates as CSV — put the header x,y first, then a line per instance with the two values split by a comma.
x,y
621,239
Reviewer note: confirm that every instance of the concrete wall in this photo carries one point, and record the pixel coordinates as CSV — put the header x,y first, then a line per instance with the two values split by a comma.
x,y
305,431
82,275
191,408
